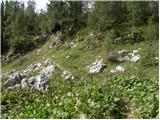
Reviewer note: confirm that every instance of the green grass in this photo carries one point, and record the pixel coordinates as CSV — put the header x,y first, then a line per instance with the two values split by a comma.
x,y
80,58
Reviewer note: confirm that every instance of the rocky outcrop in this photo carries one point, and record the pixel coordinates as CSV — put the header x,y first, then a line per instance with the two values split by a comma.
x,y
38,81
14,78
125,56
35,76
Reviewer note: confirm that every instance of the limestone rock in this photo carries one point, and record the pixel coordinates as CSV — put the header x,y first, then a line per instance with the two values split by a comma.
x,y
44,70
118,69
124,56
48,70
14,78
67,75
135,58
96,67
73,45
24,83
123,52
135,51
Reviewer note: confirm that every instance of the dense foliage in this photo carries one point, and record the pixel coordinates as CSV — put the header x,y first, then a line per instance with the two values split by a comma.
x,y
112,97
20,23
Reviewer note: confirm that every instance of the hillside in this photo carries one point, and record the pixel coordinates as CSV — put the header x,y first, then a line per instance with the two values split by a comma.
x,y
73,57
79,62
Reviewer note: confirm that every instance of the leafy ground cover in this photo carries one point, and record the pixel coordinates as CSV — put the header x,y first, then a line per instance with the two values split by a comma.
x,y
111,97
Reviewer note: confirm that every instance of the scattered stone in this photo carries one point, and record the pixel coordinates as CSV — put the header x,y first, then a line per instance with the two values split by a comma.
x,y
124,56
135,51
118,69
67,75
123,52
135,58
91,34
113,71
73,45
96,67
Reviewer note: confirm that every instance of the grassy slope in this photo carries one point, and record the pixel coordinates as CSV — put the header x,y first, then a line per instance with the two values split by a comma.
x,y
77,63
79,59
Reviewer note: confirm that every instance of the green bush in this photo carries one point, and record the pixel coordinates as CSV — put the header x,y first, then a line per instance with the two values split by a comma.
x,y
22,44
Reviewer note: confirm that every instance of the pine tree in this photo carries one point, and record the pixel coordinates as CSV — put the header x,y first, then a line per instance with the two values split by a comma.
x,y
31,17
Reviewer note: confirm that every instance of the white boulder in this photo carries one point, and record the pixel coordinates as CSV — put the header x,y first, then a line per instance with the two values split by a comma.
x,y
118,69
96,67
135,58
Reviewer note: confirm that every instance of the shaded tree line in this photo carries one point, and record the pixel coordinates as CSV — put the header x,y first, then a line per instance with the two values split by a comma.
x,y
21,25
